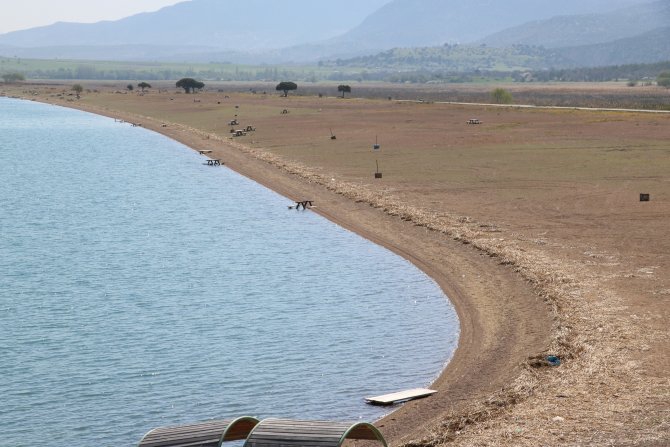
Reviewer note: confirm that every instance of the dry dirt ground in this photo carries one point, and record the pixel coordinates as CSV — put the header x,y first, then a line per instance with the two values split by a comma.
x,y
548,198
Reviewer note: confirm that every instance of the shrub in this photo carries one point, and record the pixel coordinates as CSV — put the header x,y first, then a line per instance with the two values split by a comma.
x,y
501,96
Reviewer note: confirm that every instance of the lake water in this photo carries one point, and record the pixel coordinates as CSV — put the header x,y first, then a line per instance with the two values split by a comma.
x,y
141,288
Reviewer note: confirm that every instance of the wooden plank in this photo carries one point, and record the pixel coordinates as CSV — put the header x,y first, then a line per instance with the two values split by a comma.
x,y
401,396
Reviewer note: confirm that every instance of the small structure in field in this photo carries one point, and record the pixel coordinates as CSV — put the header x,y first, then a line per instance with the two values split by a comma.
x,y
474,121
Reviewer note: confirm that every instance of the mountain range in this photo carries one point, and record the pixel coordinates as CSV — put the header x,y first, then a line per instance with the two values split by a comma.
x,y
258,31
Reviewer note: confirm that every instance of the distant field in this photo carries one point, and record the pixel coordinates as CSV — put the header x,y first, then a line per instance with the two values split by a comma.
x,y
566,94
150,71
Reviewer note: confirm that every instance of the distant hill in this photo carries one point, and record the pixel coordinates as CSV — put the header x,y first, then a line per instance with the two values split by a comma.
x,y
409,23
647,48
579,30
268,31
221,24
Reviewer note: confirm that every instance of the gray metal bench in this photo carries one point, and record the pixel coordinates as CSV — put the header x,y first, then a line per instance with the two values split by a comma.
x,y
204,434
285,433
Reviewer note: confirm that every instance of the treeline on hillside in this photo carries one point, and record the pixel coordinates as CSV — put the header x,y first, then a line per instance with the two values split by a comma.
x,y
458,58
598,74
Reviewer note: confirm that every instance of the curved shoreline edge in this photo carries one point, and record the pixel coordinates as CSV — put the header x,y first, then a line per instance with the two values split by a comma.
x,y
503,320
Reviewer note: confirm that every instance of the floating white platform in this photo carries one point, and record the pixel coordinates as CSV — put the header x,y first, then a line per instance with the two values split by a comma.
x,y
401,396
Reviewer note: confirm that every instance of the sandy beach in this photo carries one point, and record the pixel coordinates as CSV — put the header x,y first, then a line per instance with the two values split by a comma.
x,y
530,222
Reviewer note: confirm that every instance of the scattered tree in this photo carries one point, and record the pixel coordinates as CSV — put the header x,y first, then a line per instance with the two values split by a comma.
x,y
631,83
501,96
77,88
664,79
10,78
130,87
286,87
344,89
144,86
189,84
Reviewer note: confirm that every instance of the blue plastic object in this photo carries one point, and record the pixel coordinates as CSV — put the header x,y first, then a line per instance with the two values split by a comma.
x,y
553,360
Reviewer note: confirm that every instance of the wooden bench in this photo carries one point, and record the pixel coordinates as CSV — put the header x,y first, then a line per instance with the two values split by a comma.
x,y
287,433
204,434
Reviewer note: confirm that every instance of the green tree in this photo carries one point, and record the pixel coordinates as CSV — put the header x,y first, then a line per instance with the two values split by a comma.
x,y
664,79
344,89
10,78
190,84
77,88
286,87
130,87
144,86
501,96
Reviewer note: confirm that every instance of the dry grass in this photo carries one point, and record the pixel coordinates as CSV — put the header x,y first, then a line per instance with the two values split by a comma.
x,y
550,193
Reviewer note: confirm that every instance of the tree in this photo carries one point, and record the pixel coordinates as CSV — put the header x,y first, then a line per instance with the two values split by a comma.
x,y
10,78
189,84
144,86
286,87
664,79
77,88
344,89
501,96
130,87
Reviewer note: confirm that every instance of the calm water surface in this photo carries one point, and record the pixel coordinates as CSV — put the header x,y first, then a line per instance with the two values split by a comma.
x,y
140,288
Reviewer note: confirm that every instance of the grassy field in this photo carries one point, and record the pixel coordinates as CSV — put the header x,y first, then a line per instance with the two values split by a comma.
x,y
150,71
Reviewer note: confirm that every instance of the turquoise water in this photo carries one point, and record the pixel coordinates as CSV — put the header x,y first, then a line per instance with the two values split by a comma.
x,y
139,288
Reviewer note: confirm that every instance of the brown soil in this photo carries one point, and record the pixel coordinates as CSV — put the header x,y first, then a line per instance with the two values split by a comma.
x,y
531,223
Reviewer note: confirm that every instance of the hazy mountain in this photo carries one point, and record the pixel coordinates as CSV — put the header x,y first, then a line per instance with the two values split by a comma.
x,y
407,23
579,30
422,23
224,24
631,35
257,31
650,47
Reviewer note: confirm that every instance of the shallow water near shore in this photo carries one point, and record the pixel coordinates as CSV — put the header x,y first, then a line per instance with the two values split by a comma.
x,y
140,288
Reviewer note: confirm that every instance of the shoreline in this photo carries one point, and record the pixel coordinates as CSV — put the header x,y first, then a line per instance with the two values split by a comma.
x,y
475,282
534,218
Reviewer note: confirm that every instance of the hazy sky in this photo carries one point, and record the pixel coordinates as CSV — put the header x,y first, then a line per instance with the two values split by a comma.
x,y
30,13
